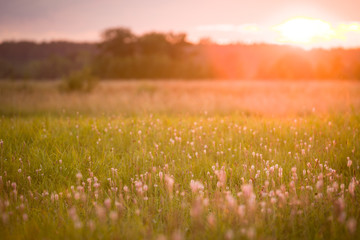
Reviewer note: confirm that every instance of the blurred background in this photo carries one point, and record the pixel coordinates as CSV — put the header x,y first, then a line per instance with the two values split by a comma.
x,y
180,39
284,56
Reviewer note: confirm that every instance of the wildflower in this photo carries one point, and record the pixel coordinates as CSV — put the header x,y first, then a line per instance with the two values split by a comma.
x,y
72,214
161,237
221,174
139,187
351,225
231,200
169,181
113,215
241,210
229,234
77,196
5,217
177,235
107,203
340,209
342,217
196,186
100,213
91,225
319,184
137,212
211,220
247,190
79,176
197,208
78,224
352,187
251,233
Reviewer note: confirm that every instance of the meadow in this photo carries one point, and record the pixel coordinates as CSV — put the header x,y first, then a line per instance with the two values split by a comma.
x,y
180,160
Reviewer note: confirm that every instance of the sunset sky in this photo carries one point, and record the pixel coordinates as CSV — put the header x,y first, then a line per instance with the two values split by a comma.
x,y
307,23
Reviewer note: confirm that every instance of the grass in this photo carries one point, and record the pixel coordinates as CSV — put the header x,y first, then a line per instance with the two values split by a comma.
x,y
181,174
263,98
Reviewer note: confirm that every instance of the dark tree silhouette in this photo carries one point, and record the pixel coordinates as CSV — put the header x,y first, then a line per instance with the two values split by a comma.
x,y
122,54
154,44
118,42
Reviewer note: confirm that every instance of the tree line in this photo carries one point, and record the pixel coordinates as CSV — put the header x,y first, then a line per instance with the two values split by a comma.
x,y
121,54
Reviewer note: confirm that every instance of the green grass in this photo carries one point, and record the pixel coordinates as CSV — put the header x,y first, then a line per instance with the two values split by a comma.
x,y
156,149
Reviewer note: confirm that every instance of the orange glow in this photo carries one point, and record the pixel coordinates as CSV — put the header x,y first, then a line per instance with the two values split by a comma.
x,y
305,30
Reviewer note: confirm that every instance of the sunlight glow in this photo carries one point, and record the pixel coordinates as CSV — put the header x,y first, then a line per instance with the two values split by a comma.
x,y
300,31
351,27
305,30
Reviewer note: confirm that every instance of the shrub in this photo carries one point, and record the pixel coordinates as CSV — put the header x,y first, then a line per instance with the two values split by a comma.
x,y
82,80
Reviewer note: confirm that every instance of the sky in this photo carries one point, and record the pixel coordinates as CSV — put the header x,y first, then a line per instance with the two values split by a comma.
x,y
307,23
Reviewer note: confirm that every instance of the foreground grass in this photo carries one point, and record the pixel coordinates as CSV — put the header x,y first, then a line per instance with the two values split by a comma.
x,y
175,177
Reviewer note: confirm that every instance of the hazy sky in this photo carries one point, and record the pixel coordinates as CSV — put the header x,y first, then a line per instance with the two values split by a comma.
x,y
222,20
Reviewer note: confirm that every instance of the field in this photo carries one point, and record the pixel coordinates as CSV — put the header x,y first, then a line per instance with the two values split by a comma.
x,y
180,160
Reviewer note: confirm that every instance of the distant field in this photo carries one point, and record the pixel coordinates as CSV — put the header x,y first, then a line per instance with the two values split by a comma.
x,y
220,97
180,160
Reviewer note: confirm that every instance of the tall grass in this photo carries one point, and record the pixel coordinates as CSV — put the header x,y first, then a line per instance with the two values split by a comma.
x,y
159,176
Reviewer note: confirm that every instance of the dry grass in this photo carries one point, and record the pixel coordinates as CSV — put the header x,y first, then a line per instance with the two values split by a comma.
x,y
133,97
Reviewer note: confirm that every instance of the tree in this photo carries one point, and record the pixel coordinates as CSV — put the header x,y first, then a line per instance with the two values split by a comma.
x,y
154,44
118,42
178,44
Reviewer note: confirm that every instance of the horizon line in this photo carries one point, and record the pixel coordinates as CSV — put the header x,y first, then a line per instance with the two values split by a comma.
x,y
212,42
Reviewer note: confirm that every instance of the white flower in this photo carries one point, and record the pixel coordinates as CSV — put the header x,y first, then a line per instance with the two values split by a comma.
x,y
196,186
349,162
79,176
351,225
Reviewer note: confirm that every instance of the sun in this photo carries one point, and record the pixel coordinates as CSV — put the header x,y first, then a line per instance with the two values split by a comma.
x,y
305,30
